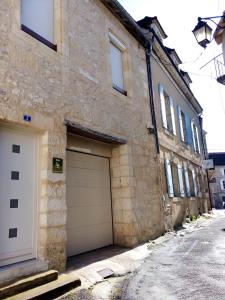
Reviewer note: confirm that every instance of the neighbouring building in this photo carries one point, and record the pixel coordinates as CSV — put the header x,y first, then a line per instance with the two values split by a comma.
x,y
83,150
219,60
180,135
219,34
217,180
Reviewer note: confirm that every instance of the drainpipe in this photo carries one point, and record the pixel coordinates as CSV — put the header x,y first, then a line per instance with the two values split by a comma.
x,y
205,156
151,94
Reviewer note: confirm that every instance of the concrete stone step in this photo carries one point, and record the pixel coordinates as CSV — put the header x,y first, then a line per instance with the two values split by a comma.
x,y
51,290
27,283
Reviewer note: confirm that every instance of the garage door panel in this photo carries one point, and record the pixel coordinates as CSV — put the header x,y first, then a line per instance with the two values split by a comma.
x,y
83,216
89,162
81,196
87,178
89,238
89,217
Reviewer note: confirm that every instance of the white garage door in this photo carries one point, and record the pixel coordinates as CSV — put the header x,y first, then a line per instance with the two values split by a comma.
x,y
17,197
89,214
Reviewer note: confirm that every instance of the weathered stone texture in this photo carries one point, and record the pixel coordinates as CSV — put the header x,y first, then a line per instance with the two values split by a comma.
x,y
75,84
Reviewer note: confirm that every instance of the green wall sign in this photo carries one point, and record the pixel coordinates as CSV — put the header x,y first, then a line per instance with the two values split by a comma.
x,y
57,165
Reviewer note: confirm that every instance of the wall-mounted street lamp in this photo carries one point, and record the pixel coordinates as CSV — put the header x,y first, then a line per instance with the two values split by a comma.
x,y
203,32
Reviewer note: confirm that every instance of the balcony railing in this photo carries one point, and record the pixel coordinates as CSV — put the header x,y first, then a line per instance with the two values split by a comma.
x,y
220,68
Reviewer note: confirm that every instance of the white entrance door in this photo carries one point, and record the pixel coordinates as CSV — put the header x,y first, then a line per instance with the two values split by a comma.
x,y
89,213
17,196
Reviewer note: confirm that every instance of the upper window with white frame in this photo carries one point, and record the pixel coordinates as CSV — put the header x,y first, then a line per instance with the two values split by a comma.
x,y
167,110
117,64
37,19
195,137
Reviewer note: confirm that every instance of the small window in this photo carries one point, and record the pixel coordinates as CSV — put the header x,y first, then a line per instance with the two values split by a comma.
x,y
184,126
116,56
195,137
191,183
181,178
37,19
175,180
187,182
169,177
167,110
168,113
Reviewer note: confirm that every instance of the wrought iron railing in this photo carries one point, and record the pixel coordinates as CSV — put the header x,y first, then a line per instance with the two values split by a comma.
x,y
220,68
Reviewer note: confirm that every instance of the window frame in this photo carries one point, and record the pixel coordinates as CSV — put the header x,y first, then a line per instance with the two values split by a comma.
x,y
37,36
195,137
181,179
169,178
122,48
167,104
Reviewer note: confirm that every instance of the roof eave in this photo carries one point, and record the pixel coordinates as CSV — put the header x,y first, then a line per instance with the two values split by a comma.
x,y
125,18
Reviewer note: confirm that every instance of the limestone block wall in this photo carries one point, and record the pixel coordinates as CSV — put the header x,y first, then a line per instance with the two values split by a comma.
x,y
75,83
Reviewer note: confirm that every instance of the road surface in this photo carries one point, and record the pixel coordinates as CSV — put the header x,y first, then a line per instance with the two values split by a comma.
x,y
189,266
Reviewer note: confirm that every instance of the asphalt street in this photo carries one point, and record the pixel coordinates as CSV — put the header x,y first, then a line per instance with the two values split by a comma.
x,y
189,266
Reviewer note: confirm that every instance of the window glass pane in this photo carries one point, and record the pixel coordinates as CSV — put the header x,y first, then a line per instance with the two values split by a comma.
x,y
168,113
169,178
183,120
117,67
38,15
175,180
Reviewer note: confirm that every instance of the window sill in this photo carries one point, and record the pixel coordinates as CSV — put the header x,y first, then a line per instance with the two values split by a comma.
x,y
38,37
177,199
121,91
169,133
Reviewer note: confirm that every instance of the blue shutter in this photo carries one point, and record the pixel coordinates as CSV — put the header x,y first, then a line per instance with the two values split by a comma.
x,y
188,128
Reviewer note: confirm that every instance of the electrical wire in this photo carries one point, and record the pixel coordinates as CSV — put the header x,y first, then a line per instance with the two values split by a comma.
x,y
194,61
189,72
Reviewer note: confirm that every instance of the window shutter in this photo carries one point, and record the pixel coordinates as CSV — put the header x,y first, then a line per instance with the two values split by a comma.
x,y
195,183
163,106
117,66
181,182
38,15
188,128
181,129
169,178
197,137
172,115
187,184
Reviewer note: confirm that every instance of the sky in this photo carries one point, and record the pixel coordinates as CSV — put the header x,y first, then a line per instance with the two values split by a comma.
x,y
178,18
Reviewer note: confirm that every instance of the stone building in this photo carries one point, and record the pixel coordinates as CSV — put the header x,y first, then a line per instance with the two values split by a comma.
x,y
80,163
78,167
180,134
217,180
